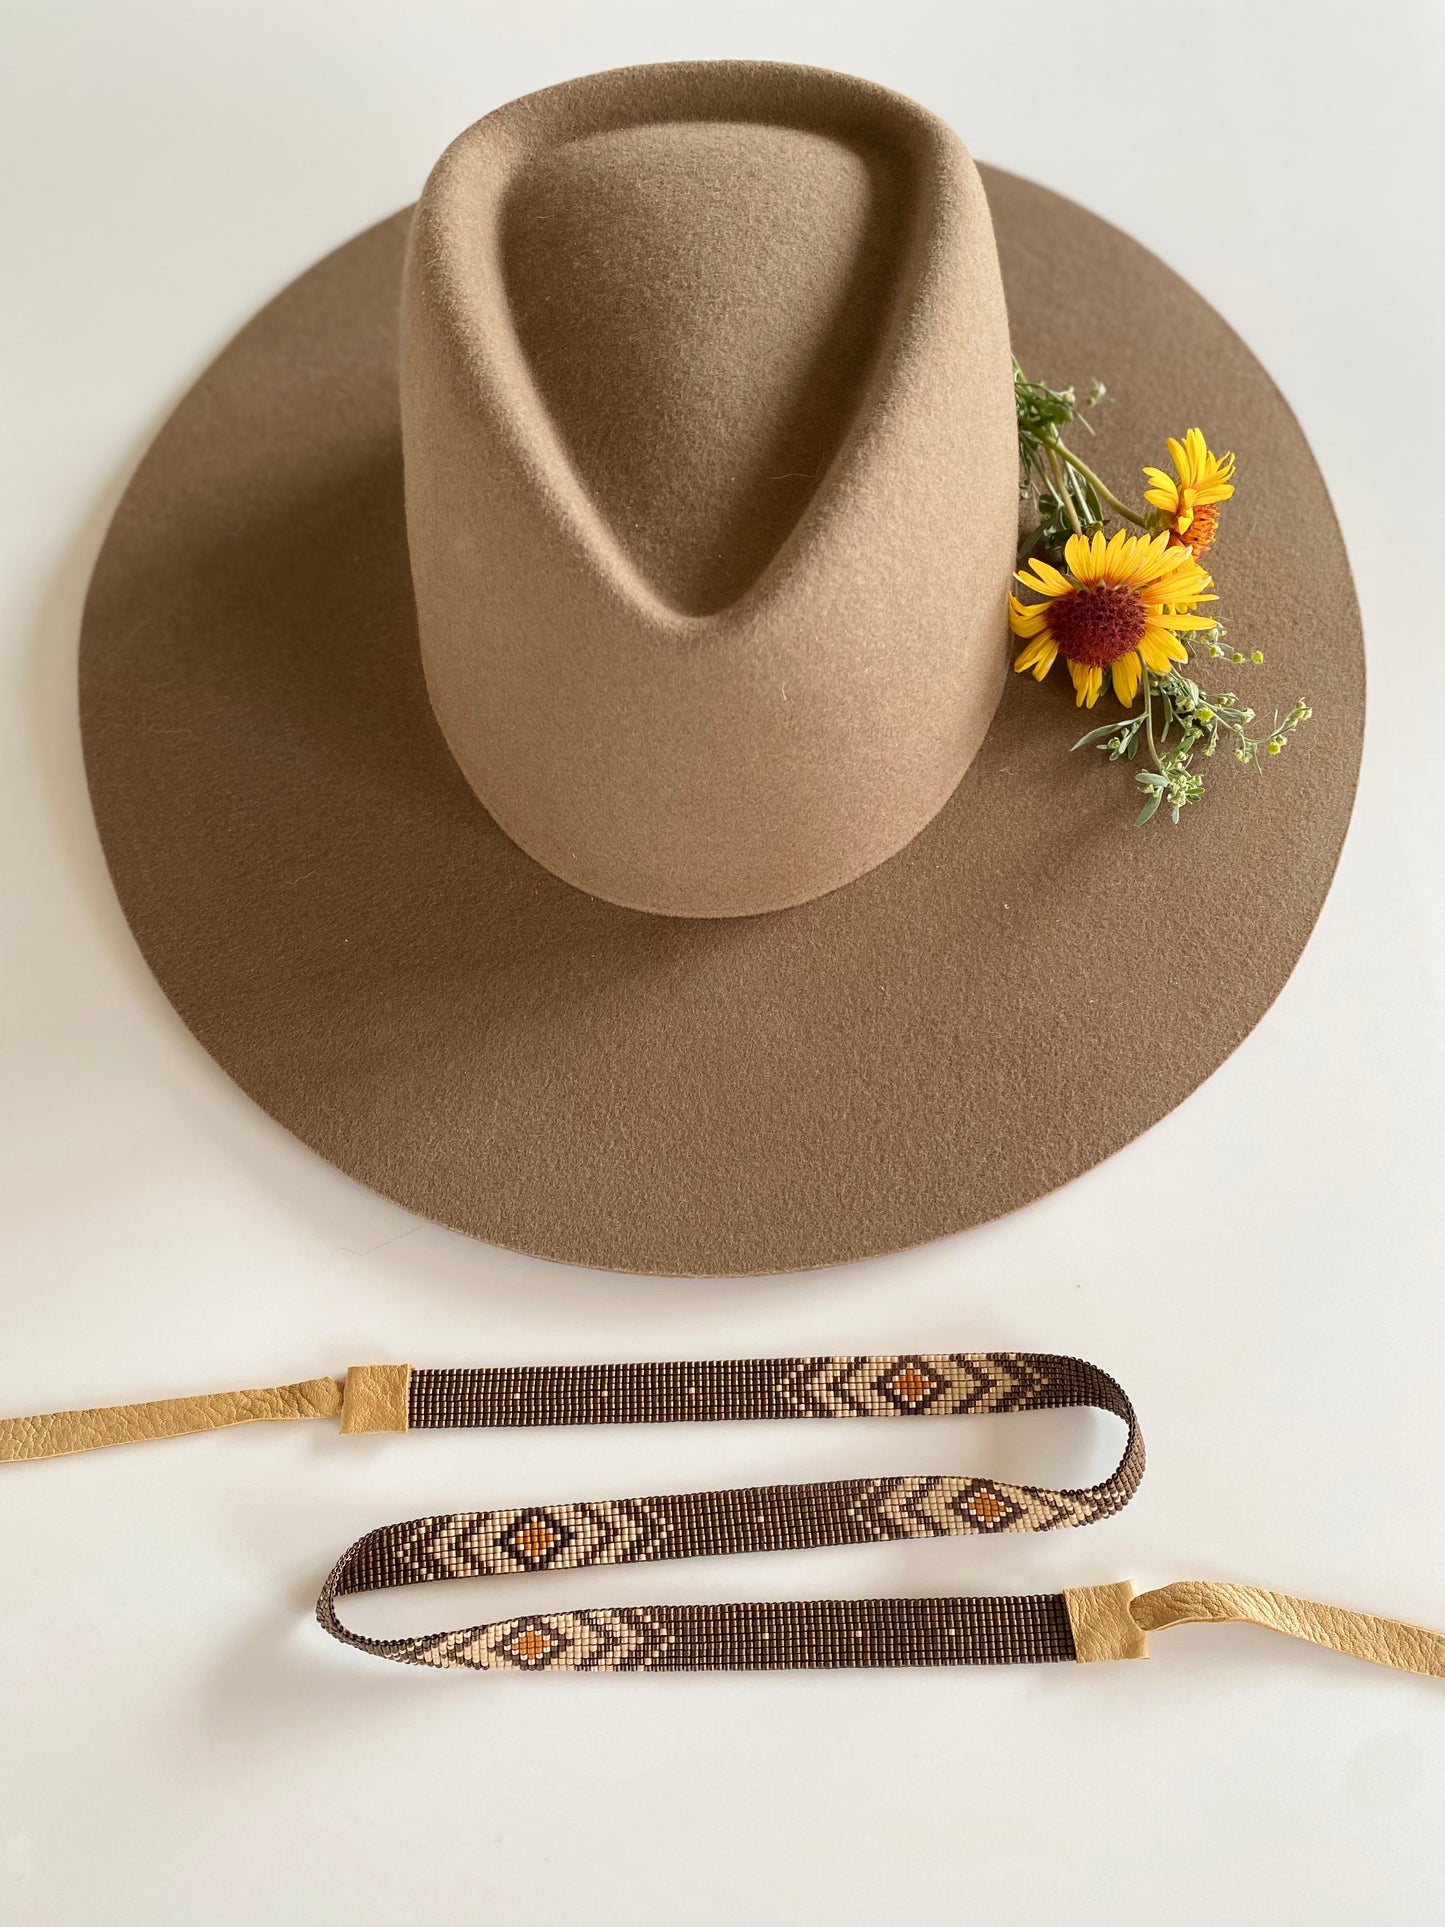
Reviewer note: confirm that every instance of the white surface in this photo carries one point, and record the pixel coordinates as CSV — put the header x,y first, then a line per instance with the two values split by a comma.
x,y
1263,1271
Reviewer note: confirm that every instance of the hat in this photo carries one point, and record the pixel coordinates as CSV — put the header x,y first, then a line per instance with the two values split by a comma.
x,y
545,691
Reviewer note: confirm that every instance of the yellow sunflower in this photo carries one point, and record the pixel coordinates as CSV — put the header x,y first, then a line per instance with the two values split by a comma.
x,y
1117,609
1190,504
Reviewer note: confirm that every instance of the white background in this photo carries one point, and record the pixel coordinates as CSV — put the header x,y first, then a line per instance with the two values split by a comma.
x,y
178,1741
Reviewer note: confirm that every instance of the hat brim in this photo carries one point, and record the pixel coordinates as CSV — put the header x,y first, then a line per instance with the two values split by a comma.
x,y
1024,989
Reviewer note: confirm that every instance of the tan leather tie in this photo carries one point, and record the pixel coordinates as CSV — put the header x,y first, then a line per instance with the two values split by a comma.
x,y
1084,1624
1110,1622
372,1399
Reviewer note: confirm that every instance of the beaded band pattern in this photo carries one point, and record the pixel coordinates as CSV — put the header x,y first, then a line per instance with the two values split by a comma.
x,y
753,1636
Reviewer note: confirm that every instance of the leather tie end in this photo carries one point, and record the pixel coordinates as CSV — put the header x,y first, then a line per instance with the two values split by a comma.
x,y
376,1398
1383,1642
1103,1625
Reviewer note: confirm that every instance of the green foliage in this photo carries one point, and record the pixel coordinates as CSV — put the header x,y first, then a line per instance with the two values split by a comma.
x,y
1064,493
1177,719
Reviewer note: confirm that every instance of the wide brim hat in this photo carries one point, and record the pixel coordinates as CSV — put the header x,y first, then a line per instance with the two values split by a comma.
x,y
743,962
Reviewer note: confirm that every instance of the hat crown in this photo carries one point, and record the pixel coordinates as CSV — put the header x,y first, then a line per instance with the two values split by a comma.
x,y
710,476
700,304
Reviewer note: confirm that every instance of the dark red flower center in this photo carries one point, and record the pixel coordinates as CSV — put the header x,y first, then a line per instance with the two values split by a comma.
x,y
1097,624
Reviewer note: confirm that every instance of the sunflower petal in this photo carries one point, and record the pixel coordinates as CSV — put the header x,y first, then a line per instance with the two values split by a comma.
x,y
1038,655
1027,618
1155,559
1048,580
1155,556
1181,619
1173,595
1115,549
1088,681
1126,678
1045,657
1177,578
1157,650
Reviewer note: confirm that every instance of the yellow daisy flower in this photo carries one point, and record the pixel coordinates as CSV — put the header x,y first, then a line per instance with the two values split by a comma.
x,y
1190,504
1117,609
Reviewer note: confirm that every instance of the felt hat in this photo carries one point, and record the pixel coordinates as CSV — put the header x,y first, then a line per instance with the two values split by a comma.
x,y
546,707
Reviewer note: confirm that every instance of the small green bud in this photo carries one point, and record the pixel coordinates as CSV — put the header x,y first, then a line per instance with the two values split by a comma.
x,y
1274,745
1205,713
1256,655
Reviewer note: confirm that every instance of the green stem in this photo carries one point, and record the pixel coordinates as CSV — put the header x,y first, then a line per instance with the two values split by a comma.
x,y
1149,717
1065,493
1101,489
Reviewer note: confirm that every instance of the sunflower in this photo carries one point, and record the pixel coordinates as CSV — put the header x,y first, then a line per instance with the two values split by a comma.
x,y
1117,609
1190,505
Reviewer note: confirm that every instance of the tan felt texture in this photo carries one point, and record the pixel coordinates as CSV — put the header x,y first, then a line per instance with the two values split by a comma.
x,y
711,476
55,1435
959,1031
700,305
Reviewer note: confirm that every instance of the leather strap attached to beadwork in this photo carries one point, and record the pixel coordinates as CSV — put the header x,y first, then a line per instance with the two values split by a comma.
x,y
787,1633
1086,1623
373,1398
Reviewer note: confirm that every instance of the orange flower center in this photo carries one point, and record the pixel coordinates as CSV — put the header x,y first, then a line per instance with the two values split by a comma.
x,y
1097,624
1201,532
